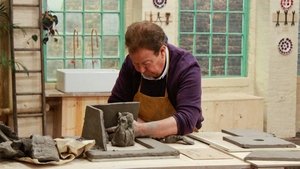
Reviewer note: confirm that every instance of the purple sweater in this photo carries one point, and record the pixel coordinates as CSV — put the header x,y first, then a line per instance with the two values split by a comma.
x,y
183,85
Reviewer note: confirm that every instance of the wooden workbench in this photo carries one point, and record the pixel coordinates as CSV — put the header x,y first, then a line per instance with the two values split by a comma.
x,y
207,157
208,152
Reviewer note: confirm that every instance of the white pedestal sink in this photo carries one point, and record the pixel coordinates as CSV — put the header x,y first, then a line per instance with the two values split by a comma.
x,y
86,80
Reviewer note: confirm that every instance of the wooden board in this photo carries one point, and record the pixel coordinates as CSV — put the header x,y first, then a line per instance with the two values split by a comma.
x,y
264,163
205,154
182,162
215,139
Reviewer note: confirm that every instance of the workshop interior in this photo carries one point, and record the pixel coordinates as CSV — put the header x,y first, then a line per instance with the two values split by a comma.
x,y
60,61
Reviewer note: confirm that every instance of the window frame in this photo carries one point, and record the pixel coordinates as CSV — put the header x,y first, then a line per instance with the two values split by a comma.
x,y
244,35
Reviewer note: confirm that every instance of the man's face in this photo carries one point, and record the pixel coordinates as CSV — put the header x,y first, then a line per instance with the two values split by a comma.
x,y
147,63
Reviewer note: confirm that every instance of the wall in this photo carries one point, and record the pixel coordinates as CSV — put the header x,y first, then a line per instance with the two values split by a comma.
x,y
275,74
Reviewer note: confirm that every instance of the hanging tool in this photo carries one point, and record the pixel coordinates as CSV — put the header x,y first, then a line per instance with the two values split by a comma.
x,y
277,22
293,18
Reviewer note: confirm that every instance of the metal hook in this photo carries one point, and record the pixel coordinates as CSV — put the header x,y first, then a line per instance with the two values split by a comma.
x,y
75,44
92,43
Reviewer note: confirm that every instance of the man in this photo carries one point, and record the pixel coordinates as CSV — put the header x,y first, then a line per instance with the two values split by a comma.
x,y
166,80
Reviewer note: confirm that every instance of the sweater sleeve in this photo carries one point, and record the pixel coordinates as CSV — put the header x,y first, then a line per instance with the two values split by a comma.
x,y
187,94
126,84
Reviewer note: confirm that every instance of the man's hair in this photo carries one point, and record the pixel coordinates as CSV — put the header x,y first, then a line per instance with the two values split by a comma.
x,y
146,35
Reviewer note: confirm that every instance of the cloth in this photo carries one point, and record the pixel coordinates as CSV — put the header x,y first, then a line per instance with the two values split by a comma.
x,y
68,149
183,84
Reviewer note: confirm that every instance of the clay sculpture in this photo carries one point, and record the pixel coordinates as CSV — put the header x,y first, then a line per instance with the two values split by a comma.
x,y
124,133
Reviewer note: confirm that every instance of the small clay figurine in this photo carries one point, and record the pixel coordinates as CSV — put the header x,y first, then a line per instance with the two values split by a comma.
x,y
124,133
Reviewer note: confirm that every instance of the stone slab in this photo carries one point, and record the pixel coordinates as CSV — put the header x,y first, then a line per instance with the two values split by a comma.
x,y
279,155
247,133
259,142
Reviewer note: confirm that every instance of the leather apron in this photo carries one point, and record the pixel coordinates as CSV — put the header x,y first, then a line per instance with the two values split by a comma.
x,y
154,108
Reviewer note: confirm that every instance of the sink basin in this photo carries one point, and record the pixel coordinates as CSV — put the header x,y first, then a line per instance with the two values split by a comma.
x,y
86,80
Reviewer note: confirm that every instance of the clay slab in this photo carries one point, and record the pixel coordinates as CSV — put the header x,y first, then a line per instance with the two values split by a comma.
x,y
93,127
279,155
259,142
246,133
153,149
110,111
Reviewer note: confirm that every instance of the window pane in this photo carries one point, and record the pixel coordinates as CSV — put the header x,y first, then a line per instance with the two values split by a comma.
x,y
219,22
187,5
92,51
234,44
92,64
204,63
236,5
110,5
203,5
186,42
55,48
73,21
218,66
92,5
202,44
235,21
71,64
218,44
52,65
234,66
219,5
73,48
110,24
110,63
92,21
57,5
110,46
187,22
73,5
203,22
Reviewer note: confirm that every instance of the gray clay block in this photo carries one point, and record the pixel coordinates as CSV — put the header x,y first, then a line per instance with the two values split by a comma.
x,y
44,149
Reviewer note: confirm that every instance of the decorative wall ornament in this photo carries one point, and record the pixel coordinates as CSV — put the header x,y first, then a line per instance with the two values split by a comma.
x,y
285,46
159,3
286,4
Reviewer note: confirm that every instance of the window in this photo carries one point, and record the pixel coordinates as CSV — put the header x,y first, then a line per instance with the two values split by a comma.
x,y
215,32
89,35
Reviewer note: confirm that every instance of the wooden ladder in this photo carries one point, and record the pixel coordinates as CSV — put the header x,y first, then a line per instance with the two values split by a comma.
x,y
28,86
